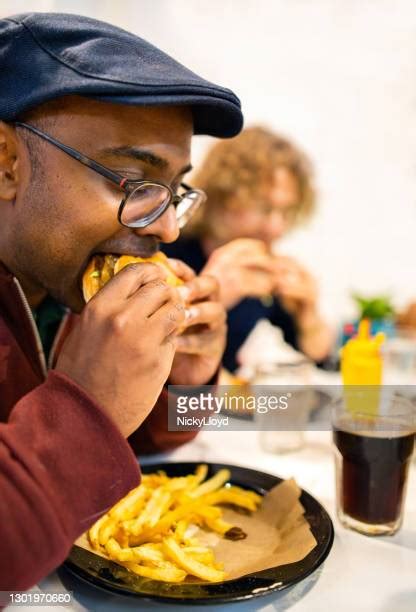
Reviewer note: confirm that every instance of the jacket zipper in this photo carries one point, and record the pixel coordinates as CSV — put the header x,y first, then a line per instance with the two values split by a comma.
x,y
34,328
57,338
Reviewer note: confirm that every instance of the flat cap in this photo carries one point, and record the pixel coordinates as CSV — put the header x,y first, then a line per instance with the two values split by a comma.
x,y
44,56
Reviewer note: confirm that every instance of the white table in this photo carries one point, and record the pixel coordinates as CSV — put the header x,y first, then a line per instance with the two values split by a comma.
x,y
360,574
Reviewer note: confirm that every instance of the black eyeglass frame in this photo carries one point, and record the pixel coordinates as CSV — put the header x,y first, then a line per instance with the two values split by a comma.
x,y
125,184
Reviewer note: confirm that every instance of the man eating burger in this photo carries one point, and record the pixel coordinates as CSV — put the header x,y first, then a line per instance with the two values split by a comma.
x,y
95,134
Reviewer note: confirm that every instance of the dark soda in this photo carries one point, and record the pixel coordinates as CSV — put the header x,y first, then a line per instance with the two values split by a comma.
x,y
373,472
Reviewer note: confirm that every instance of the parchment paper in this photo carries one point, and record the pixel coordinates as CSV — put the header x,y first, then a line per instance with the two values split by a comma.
x,y
277,534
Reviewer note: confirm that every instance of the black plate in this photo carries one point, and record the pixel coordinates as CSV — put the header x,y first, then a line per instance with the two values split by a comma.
x,y
107,575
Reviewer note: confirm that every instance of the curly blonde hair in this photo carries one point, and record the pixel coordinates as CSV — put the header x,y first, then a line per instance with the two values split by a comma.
x,y
242,168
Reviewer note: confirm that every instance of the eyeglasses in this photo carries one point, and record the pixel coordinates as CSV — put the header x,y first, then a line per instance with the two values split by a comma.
x,y
144,201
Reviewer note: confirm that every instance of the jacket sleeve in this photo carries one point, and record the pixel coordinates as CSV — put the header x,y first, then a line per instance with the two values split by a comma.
x,y
153,435
63,463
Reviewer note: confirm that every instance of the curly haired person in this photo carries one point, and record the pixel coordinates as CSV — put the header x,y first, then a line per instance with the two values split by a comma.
x,y
259,186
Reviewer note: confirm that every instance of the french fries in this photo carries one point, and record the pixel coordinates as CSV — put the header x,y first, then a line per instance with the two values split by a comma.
x,y
152,530
190,564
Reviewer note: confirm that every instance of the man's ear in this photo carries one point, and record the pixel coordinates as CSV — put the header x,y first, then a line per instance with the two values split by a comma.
x,y
9,162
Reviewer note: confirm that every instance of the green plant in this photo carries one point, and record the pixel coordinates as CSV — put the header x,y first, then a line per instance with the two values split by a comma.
x,y
375,308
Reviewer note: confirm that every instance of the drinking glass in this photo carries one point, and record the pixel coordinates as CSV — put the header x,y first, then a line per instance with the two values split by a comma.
x,y
373,450
282,431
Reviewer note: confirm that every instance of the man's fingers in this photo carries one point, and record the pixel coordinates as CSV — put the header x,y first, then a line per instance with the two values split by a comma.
x,y
181,269
261,262
288,291
200,288
257,284
168,320
211,314
124,284
295,291
201,343
287,265
150,297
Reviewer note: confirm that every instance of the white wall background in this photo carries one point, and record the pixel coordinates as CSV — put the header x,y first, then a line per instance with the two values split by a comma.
x,y
339,77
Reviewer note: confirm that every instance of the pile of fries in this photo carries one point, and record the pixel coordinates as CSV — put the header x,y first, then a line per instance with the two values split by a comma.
x,y
152,530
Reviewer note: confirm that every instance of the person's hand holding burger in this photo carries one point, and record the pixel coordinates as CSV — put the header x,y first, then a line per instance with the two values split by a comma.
x,y
243,268
149,323
201,343
122,348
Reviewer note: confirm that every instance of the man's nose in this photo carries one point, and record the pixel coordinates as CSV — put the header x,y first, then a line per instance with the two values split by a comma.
x,y
165,228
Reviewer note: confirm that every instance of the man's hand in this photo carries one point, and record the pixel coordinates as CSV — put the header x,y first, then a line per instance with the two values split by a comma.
x,y
243,268
200,347
297,290
122,349
295,286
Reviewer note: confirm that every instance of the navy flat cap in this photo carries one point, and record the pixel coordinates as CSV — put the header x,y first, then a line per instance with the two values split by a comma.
x,y
48,55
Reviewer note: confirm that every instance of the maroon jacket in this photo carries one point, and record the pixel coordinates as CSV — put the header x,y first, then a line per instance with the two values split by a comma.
x,y
63,463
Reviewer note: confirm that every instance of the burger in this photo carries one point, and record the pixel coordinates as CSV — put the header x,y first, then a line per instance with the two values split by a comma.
x,y
102,268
